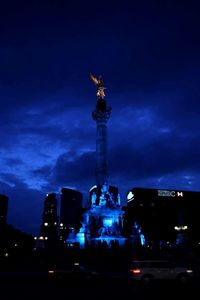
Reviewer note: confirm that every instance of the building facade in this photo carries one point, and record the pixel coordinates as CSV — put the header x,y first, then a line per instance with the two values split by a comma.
x,y
3,209
163,216
49,226
70,214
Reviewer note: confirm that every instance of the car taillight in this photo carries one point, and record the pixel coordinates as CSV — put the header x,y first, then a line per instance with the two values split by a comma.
x,y
136,271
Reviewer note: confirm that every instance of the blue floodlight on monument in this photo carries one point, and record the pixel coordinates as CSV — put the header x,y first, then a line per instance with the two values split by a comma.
x,y
80,238
107,222
142,240
103,221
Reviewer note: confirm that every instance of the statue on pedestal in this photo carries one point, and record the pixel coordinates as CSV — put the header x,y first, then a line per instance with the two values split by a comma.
x,y
93,199
99,83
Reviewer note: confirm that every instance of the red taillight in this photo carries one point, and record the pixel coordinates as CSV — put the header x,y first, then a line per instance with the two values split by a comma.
x,y
136,271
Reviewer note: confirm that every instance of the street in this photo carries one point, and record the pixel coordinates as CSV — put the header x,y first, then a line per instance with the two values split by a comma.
x,y
40,288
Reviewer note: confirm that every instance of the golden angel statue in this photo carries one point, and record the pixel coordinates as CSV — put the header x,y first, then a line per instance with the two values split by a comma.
x,y
99,83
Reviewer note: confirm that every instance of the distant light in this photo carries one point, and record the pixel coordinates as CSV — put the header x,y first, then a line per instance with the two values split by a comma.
x,y
35,237
61,224
51,271
180,194
6,254
55,223
46,238
47,195
189,271
41,238
130,196
184,227
45,224
136,271
178,228
16,245
76,263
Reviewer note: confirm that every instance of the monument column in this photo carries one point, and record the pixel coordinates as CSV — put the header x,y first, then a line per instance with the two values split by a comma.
x,y
101,115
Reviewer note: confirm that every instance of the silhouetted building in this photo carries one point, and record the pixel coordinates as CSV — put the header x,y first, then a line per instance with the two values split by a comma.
x,y
70,212
49,227
164,215
3,209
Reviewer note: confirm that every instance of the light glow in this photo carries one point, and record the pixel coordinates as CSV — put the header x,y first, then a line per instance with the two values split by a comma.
x,y
107,222
189,271
178,228
136,271
130,196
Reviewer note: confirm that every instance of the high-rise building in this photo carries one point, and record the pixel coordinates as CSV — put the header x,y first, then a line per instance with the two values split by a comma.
x,y
3,209
70,212
164,214
49,227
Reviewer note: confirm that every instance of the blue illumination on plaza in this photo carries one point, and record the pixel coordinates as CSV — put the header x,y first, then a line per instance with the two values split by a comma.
x,y
103,221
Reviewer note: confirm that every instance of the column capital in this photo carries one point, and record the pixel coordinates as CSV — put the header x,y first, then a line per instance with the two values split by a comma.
x,y
102,112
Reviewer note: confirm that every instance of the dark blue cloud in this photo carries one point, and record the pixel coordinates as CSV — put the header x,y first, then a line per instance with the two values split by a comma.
x,y
25,204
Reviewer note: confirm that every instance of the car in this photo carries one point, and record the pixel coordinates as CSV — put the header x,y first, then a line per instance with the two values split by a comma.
x,y
71,271
148,270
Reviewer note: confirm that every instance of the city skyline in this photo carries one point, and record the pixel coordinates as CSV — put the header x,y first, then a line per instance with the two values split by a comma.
x,y
148,55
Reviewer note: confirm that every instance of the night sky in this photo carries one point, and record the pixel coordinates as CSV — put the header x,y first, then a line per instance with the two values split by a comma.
x,y
148,53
